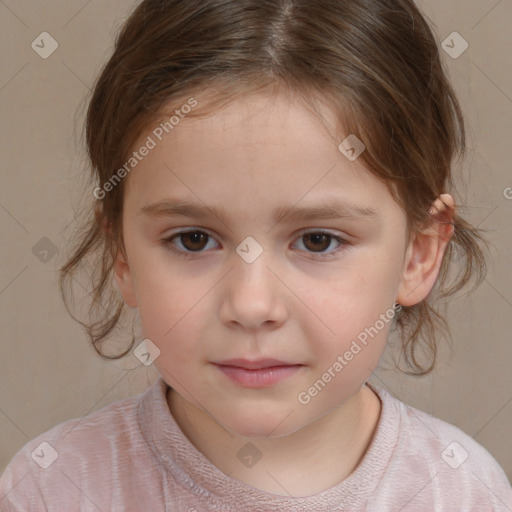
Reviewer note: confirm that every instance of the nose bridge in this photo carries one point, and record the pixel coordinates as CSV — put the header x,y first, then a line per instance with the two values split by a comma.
x,y
253,291
251,263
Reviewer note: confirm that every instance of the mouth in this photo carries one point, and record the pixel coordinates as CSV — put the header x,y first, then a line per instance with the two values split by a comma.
x,y
259,364
257,374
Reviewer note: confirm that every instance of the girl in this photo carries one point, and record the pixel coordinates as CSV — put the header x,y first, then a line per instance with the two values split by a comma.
x,y
273,197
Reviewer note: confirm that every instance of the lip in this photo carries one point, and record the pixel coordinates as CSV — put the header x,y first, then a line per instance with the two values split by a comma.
x,y
258,364
257,374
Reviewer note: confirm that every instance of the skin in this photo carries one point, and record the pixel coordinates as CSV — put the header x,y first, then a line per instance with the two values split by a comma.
x,y
289,304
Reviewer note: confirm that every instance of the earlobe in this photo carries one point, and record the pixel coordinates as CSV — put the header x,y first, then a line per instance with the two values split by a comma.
x,y
123,277
425,253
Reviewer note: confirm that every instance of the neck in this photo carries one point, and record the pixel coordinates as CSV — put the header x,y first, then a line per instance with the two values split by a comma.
x,y
303,463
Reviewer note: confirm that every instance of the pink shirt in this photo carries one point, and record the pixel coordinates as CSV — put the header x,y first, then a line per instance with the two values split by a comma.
x,y
132,456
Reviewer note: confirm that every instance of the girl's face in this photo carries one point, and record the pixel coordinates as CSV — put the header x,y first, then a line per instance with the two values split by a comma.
x,y
312,290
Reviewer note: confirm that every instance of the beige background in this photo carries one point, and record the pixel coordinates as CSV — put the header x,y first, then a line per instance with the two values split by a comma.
x,y
48,372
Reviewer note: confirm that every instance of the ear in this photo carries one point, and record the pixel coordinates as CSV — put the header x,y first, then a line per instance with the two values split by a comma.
x,y
121,269
425,253
123,277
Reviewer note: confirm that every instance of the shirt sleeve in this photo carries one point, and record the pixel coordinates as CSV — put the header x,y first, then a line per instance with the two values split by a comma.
x,y
19,490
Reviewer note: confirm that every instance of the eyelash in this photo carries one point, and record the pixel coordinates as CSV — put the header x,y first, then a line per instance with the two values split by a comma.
x,y
167,243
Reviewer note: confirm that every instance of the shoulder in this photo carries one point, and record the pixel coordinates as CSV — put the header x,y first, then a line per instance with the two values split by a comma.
x,y
442,465
64,456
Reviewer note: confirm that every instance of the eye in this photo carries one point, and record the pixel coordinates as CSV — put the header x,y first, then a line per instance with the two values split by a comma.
x,y
318,241
194,241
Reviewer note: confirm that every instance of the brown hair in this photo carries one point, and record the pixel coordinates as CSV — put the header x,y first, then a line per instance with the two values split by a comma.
x,y
376,64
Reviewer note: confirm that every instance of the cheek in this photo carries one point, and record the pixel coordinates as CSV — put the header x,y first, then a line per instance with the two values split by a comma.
x,y
159,286
178,338
353,300
167,304
356,313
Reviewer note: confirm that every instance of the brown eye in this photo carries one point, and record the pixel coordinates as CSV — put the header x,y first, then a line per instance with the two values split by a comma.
x,y
194,240
191,241
186,243
318,241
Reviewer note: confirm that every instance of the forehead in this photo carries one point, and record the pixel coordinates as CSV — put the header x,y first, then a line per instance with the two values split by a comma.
x,y
255,151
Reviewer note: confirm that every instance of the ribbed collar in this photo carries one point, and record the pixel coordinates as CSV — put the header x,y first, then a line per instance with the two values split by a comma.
x,y
193,471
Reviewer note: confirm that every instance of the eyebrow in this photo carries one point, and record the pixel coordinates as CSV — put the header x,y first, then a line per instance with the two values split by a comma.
x,y
328,210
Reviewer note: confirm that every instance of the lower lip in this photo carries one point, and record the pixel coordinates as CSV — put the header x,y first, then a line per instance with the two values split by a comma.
x,y
259,378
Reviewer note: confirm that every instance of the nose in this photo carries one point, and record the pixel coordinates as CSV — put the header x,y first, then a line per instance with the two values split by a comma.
x,y
253,295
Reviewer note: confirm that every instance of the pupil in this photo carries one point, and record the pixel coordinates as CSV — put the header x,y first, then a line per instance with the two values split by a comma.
x,y
195,237
318,238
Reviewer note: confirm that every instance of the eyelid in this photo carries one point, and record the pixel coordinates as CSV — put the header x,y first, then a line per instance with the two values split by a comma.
x,y
321,230
313,229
